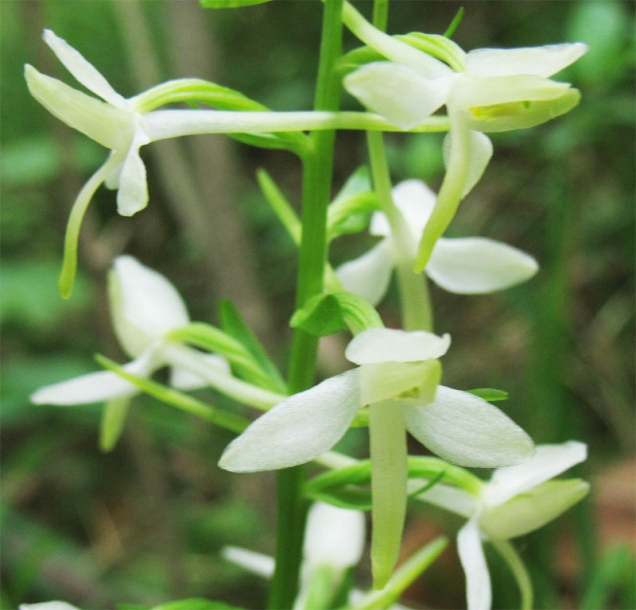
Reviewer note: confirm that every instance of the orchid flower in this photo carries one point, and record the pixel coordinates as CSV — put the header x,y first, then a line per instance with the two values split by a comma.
x,y
334,542
397,377
145,308
125,125
469,265
485,90
517,500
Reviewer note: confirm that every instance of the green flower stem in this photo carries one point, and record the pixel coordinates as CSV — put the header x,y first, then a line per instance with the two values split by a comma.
x,y
71,238
387,433
318,167
380,14
415,300
519,571
450,193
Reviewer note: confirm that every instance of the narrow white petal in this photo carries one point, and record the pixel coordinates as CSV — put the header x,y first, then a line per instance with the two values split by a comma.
x,y
391,345
538,61
257,563
479,154
416,202
471,555
369,275
397,92
547,462
476,265
144,305
297,429
83,71
132,196
468,431
335,536
86,389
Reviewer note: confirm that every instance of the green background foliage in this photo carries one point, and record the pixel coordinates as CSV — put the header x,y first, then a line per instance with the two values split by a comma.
x,y
145,523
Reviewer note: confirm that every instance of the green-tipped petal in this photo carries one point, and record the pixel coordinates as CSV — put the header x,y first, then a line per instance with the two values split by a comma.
x,y
378,345
298,429
468,431
539,61
477,265
471,554
107,125
397,92
532,509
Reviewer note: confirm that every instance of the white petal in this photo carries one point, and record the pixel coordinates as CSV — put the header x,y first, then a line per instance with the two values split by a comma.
x,y
468,431
83,71
369,275
479,154
471,555
185,379
132,196
48,606
94,387
397,92
414,200
539,61
297,429
335,536
259,564
391,345
144,305
547,462
476,265
386,380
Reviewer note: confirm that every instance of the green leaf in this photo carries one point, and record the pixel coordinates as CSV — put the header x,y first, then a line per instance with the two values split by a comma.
x,y
233,324
489,394
230,3
332,312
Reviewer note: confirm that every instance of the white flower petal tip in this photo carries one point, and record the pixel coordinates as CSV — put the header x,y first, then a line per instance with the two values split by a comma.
x,y
145,306
468,431
335,536
298,429
259,564
537,61
476,265
378,345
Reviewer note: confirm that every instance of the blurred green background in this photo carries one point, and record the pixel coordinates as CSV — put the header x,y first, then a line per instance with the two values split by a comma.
x,y
145,523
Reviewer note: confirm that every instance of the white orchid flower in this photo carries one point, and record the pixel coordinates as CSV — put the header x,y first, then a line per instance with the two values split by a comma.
x,y
334,541
517,500
485,90
468,265
125,125
145,308
397,377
